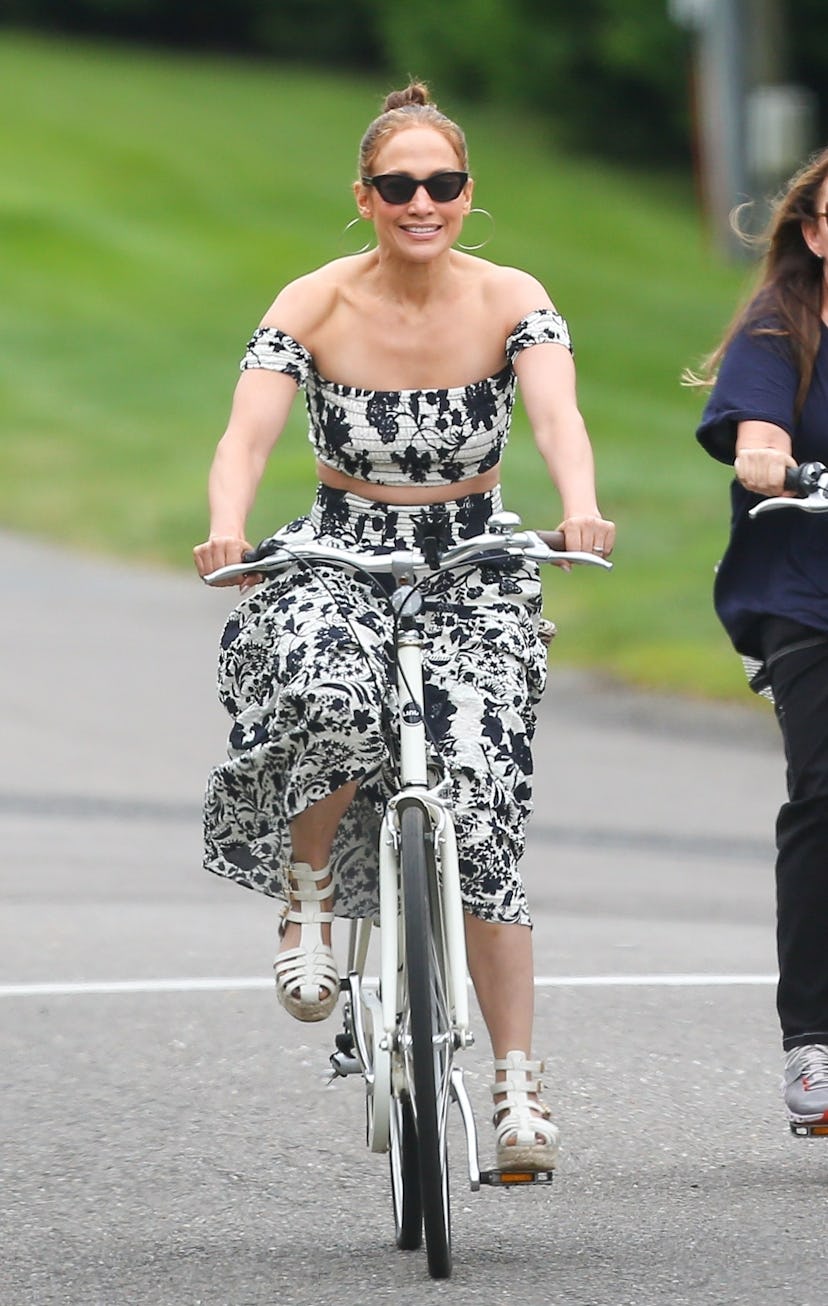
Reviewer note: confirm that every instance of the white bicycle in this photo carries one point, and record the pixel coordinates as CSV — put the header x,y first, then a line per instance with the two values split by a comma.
x,y
402,1030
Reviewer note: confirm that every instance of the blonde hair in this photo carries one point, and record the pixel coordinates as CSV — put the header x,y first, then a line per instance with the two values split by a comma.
x,y
411,107
790,284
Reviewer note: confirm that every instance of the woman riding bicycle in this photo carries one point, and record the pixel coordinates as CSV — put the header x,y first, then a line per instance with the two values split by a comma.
x,y
768,411
409,354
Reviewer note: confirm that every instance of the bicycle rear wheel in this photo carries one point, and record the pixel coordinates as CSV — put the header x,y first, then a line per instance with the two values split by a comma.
x,y
428,1050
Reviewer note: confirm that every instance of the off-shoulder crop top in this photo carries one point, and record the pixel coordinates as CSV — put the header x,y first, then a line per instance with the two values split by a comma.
x,y
404,437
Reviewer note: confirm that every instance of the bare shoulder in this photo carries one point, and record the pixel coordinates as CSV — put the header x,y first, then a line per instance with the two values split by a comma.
x,y
511,293
304,304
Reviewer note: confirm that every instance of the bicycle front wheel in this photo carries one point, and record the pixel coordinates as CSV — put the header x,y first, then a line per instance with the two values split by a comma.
x,y
428,1046
405,1175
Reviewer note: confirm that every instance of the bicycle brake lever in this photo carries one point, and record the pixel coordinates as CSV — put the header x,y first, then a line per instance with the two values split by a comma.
x,y
233,571
816,502
545,547
576,558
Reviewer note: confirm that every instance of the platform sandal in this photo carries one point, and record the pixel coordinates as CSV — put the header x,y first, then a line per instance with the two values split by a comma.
x,y
525,1136
307,976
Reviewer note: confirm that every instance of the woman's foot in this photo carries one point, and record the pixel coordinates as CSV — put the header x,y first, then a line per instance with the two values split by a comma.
x,y
525,1136
307,976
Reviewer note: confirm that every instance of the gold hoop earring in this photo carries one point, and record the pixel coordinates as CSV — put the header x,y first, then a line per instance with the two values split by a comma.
x,y
486,213
363,249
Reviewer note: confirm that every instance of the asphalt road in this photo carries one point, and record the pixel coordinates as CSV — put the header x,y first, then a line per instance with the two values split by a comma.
x,y
168,1134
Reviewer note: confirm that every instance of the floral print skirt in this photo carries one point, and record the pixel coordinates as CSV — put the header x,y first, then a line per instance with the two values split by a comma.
x,y
305,674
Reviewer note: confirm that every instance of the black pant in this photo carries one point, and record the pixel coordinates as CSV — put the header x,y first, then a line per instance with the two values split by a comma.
x,y
797,659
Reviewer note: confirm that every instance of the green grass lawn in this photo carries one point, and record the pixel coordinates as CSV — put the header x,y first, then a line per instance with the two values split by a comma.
x,y
151,207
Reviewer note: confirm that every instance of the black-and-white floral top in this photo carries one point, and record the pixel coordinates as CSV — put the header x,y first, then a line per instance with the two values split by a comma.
x,y
400,437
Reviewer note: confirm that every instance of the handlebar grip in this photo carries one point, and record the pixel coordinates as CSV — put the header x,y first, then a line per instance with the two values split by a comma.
x,y
553,540
803,480
264,550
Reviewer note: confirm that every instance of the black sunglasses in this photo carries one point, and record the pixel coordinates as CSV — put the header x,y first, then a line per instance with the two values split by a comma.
x,y
399,188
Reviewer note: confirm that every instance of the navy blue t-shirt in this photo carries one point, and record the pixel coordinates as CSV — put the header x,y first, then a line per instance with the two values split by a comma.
x,y
775,564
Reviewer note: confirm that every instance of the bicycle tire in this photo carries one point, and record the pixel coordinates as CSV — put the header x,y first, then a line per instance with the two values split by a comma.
x,y
405,1176
431,1049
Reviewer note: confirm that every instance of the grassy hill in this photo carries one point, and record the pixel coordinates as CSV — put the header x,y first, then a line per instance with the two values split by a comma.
x,y
151,207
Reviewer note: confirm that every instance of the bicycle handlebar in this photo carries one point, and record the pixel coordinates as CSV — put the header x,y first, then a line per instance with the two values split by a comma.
x,y
809,483
506,537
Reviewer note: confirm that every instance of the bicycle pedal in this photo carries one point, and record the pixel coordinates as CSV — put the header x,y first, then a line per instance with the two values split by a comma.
x,y
343,1065
515,1178
819,1130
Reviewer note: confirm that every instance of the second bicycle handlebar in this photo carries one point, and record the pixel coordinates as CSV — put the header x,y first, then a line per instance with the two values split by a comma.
x,y
805,479
809,483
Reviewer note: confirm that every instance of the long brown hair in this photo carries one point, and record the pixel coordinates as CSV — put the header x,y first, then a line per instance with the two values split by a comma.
x,y
788,297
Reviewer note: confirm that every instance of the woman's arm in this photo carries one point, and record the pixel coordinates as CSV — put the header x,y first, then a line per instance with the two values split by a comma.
x,y
546,374
763,454
261,404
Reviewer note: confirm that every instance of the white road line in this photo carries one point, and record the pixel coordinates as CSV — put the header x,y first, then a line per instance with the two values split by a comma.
x,y
95,987
229,984
650,981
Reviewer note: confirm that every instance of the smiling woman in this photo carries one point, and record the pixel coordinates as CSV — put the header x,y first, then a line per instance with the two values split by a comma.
x,y
408,160
410,355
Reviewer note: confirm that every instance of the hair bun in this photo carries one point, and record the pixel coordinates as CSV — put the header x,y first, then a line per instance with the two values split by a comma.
x,y
412,107
414,93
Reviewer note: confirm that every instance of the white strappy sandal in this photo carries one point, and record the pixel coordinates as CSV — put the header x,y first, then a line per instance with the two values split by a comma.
x,y
309,970
525,1136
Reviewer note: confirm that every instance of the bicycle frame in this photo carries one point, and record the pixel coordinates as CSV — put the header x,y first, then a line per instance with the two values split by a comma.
x,y
414,786
414,782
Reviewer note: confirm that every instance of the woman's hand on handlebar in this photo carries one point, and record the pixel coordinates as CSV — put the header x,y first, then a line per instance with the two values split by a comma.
x,y
589,533
223,551
762,471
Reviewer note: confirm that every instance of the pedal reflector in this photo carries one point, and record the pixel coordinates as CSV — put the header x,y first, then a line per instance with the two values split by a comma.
x,y
809,1131
513,1178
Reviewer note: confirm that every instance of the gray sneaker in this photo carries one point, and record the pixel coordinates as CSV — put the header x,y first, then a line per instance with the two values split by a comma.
x,y
805,1088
